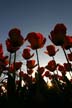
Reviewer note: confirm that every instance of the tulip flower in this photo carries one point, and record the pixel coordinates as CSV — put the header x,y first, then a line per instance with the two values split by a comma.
x,y
15,40
51,66
10,47
67,42
21,73
31,64
15,66
15,37
14,33
30,71
47,74
1,50
51,50
26,54
67,66
3,60
61,68
58,34
69,57
37,40
41,70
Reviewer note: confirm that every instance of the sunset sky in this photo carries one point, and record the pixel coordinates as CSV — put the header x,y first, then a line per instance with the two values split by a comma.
x,y
35,15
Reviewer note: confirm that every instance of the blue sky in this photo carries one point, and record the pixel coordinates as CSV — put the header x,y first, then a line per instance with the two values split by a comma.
x,y
35,15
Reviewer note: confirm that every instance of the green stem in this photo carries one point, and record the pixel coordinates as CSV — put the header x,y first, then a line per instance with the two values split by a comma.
x,y
53,57
70,50
37,58
67,60
20,78
10,60
55,61
55,79
14,65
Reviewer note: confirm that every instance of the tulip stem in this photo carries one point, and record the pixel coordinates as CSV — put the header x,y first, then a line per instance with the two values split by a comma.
x,y
37,57
54,60
14,65
20,78
70,50
10,60
67,61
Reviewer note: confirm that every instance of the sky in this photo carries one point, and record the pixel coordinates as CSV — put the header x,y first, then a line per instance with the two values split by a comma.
x,y
35,15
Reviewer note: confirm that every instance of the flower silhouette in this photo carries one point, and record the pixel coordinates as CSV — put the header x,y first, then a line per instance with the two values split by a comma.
x,y
30,71
10,47
26,54
41,70
69,56
67,66
51,50
16,37
3,60
14,41
61,68
58,34
67,42
15,66
1,50
31,64
37,40
51,65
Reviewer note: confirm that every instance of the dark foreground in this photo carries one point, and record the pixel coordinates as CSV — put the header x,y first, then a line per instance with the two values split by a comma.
x,y
52,99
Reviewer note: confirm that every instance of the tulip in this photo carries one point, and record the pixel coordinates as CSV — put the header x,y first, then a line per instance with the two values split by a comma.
x,y
51,65
70,57
31,64
51,50
26,54
37,40
58,34
67,42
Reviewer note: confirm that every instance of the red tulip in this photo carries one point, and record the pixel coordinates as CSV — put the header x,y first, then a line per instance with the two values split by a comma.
x,y
1,50
67,66
58,34
26,54
14,67
10,47
51,50
46,74
41,70
31,64
20,41
61,68
67,42
70,57
51,65
27,78
3,59
60,77
3,64
14,32
15,40
37,40
21,74
30,71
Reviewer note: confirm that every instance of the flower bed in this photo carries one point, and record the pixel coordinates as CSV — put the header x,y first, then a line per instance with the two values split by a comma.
x,y
47,85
